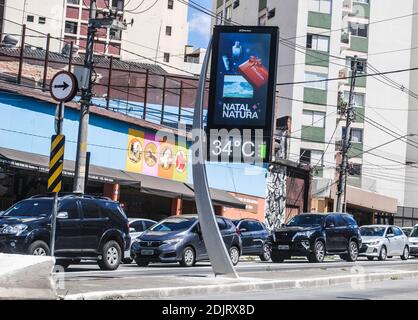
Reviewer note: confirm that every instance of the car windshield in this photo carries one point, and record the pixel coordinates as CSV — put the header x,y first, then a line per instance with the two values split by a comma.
x,y
306,220
176,224
30,208
372,231
414,233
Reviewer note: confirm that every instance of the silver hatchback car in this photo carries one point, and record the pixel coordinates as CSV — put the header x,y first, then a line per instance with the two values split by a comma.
x,y
383,241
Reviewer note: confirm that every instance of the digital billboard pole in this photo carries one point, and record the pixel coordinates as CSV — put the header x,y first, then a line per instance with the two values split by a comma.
x,y
240,117
242,92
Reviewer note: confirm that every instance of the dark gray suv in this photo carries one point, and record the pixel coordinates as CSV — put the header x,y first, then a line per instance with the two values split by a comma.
x,y
179,239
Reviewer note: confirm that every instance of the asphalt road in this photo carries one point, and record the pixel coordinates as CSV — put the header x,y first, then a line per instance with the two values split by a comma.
x,y
385,290
90,269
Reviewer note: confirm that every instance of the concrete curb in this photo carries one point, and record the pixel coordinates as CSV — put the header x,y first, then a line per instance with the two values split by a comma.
x,y
242,285
26,277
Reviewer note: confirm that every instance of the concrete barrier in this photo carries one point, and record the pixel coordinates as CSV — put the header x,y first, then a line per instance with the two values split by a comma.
x,y
26,277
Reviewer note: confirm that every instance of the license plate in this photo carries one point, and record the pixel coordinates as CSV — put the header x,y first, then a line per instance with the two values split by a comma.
x,y
147,252
283,247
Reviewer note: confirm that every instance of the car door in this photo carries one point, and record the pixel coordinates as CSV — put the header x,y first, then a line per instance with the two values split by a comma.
x,y
342,233
246,236
197,242
399,240
258,235
93,224
68,233
391,243
139,227
226,232
331,233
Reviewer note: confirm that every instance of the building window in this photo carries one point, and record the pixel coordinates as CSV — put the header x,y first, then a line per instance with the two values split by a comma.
x,y
168,30
71,27
219,3
262,4
361,65
356,135
166,57
322,6
312,157
219,18
317,42
262,20
318,78
170,4
30,18
115,34
313,118
42,20
362,1
235,4
358,29
358,98
73,1
228,13
354,169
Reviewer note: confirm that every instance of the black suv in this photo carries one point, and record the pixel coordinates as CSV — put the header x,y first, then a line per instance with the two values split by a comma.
x,y
88,227
316,235
255,238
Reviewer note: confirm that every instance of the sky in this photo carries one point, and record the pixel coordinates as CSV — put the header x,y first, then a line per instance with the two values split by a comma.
x,y
199,25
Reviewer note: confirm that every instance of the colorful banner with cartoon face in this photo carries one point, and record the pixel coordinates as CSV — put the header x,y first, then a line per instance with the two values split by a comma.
x,y
146,155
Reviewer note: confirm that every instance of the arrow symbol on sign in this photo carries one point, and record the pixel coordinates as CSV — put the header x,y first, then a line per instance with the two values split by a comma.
x,y
64,86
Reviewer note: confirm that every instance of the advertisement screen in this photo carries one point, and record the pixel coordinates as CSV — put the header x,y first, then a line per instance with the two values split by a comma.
x,y
243,86
241,95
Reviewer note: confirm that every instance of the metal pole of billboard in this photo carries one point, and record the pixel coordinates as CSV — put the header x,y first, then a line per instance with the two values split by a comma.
x,y
218,254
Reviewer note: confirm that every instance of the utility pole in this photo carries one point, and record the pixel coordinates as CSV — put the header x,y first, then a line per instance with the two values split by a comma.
x,y
86,95
342,180
109,20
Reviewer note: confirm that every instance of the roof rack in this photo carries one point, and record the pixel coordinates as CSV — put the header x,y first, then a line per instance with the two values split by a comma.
x,y
71,195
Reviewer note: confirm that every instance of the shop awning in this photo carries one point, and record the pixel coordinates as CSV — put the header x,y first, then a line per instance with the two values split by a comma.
x,y
147,184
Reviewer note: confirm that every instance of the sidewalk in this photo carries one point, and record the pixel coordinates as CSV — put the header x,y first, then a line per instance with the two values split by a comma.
x,y
154,287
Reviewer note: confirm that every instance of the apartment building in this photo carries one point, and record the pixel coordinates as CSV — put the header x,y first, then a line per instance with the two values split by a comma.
x,y
157,30
319,39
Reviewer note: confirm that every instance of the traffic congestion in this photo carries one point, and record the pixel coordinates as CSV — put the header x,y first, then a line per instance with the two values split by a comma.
x,y
97,228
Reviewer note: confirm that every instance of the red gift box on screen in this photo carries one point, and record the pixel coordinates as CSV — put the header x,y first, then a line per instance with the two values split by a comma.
x,y
254,72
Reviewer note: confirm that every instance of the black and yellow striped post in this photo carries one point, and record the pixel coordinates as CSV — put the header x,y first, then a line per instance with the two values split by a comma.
x,y
56,163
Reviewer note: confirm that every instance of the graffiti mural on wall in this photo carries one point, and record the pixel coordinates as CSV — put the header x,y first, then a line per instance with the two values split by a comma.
x,y
276,197
147,155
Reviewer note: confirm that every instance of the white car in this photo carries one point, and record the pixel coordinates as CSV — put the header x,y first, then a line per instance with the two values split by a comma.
x,y
413,242
383,241
136,228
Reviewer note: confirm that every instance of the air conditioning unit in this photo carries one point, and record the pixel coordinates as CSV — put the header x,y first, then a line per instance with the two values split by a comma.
x,y
9,41
343,74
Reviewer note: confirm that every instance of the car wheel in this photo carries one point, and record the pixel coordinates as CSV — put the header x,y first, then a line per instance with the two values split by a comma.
x,y
277,257
352,252
405,254
39,248
188,258
234,255
383,254
111,256
319,253
142,263
266,256
370,258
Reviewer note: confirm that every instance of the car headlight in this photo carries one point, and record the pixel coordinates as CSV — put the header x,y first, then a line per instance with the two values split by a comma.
x,y
173,241
14,229
414,243
374,243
